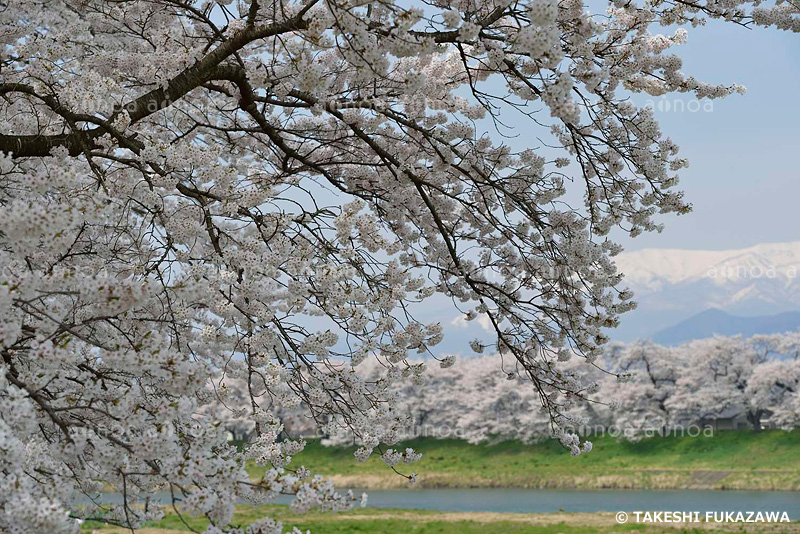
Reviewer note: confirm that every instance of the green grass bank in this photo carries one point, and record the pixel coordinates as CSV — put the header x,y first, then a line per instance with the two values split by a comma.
x,y
740,460
385,521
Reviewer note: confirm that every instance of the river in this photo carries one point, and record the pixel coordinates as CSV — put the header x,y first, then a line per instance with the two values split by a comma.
x,y
549,501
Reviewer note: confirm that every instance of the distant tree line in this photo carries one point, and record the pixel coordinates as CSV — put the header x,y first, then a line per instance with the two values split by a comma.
x,y
662,389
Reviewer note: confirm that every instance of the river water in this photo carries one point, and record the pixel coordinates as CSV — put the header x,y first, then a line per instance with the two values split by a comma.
x,y
549,501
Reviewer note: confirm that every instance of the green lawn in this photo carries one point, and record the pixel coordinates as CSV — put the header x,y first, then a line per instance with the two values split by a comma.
x,y
384,521
728,460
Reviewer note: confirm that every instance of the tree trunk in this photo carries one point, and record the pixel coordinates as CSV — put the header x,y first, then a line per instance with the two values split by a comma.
x,y
754,418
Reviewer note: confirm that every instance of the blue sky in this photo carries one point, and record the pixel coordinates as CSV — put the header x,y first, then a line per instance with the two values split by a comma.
x,y
744,178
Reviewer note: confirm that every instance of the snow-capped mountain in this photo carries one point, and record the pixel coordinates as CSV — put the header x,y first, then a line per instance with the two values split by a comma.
x,y
671,285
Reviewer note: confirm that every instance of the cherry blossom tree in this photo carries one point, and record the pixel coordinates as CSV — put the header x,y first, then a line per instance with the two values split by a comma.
x,y
732,374
267,191
492,404
772,390
642,398
479,401
659,389
233,409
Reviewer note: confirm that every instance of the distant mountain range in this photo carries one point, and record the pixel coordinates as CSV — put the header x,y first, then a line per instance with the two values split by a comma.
x,y
712,322
686,294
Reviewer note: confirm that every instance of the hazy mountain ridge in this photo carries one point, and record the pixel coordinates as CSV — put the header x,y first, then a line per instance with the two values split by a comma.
x,y
717,322
673,285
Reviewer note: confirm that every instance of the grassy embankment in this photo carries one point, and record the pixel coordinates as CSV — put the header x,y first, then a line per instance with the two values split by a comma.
x,y
729,460
383,521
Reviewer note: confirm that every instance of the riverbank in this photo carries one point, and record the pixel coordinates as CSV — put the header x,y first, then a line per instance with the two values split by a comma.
x,y
385,521
733,460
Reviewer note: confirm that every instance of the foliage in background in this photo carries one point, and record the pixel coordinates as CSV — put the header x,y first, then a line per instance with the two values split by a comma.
x,y
651,390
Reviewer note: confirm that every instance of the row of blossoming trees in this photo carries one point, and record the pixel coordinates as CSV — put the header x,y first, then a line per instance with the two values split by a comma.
x,y
268,188
659,389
